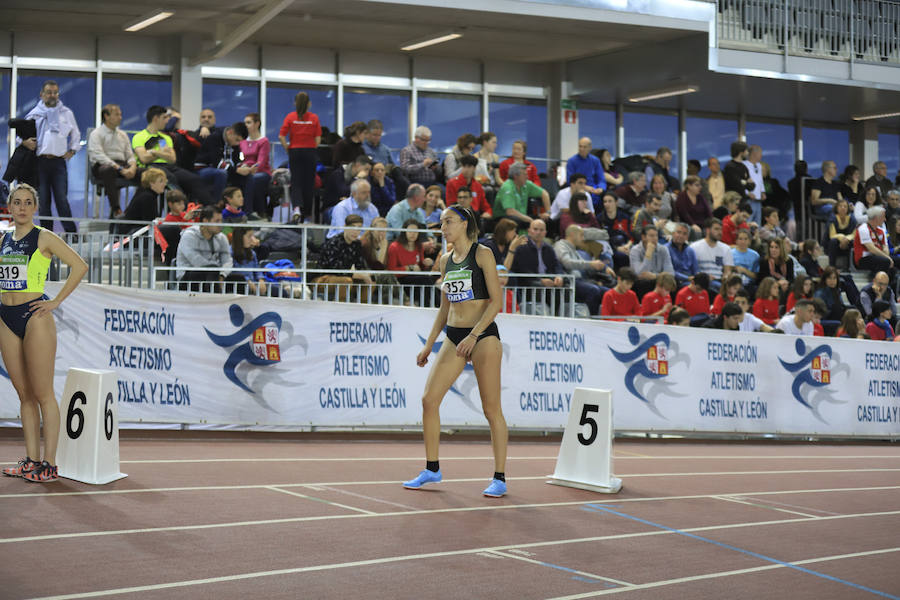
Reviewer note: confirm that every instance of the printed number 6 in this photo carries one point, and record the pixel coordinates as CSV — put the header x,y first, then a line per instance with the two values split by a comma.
x,y
589,421
108,417
75,432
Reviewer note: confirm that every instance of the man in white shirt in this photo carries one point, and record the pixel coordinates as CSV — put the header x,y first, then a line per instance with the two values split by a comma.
x,y
111,156
758,193
564,197
800,322
750,321
713,257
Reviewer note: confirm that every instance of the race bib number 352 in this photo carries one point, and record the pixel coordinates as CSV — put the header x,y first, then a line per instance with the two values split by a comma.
x,y
13,272
458,286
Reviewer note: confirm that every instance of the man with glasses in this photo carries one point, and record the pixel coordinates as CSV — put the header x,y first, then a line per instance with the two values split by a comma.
x,y
111,156
418,161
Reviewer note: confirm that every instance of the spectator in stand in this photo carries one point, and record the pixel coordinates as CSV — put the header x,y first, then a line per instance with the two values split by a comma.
x,y
648,260
384,194
715,183
767,306
407,252
648,216
868,200
407,209
153,147
880,180
374,245
879,327
810,257
618,226
729,206
350,146
218,162
894,236
746,259
612,177
684,260
300,135
870,249
851,185
798,190
801,288
732,223
679,318
419,162
487,172
840,232
587,164
233,212
464,200
256,157
713,257
829,292
729,319
246,263
434,205
587,290
579,213
519,147
691,206
776,195
726,294
465,177
344,252
505,242
756,192
778,265
751,322
337,186
659,165
465,145
658,187
736,173
203,246
800,322
513,197
819,314
380,153
633,192
538,257
878,289
852,326
144,205
693,297
892,210
770,228
825,191
358,203
577,184
658,302
111,156
620,301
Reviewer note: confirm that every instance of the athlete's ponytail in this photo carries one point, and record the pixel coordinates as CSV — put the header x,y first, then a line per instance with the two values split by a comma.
x,y
468,215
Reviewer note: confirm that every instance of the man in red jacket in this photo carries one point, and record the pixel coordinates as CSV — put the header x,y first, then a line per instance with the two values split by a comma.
x,y
466,178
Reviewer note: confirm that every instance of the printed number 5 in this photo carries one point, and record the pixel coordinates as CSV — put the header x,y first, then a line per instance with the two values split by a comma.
x,y
590,422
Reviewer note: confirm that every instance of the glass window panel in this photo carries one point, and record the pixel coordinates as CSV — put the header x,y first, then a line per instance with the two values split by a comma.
x,y
280,102
135,95
710,137
514,119
391,108
230,100
777,143
600,126
888,152
449,116
820,144
76,91
645,133
4,115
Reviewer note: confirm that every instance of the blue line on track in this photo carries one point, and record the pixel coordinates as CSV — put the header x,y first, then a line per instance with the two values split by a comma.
x,y
603,509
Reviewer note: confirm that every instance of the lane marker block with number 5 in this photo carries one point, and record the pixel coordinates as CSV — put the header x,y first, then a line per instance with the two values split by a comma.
x,y
89,432
585,456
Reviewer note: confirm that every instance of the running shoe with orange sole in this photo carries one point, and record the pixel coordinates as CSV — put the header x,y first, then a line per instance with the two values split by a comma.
x,y
42,473
26,465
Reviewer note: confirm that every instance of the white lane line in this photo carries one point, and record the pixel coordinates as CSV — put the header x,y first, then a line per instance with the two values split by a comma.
x,y
364,497
767,501
761,505
459,480
552,566
353,508
665,582
411,557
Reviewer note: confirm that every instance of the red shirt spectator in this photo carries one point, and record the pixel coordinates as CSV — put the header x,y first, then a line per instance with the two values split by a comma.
x,y
479,202
789,304
693,301
531,170
302,133
729,230
653,301
766,310
818,329
399,257
719,304
620,305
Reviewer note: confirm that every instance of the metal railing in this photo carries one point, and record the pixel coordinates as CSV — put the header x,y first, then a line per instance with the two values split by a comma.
x,y
849,30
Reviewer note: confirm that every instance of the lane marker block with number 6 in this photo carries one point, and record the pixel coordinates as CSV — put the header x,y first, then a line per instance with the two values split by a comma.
x,y
89,432
585,456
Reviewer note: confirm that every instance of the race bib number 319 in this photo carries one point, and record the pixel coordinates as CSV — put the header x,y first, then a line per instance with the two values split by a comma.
x,y
458,286
13,272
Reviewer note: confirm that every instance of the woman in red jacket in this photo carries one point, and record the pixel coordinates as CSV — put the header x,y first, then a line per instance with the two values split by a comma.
x,y
518,156
407,255
300,134
766,306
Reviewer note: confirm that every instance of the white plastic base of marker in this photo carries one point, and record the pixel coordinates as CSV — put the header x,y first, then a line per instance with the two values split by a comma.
x,y
89,428
585,455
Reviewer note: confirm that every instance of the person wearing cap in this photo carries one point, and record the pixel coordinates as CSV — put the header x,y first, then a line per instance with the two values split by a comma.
x,y
879,328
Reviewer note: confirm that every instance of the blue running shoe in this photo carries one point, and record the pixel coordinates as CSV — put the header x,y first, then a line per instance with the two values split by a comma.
x,y
424,477
496,489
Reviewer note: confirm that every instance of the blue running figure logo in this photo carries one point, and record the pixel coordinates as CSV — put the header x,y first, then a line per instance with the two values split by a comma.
x,y
816,369
650,361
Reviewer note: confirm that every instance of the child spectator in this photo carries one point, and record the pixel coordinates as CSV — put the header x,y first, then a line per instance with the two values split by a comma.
x,y
620,300
693,297
658,303
234,206
766,306
726,294
879,328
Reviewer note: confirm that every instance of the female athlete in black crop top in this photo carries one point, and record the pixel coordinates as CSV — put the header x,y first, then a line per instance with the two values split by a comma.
x,y
472,298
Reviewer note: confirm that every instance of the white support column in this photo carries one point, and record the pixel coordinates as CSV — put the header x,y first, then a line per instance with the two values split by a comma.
x,y
864,146
485,101
742,126
187,83
798,138
13,100
620,130
682,144
263,84
339,117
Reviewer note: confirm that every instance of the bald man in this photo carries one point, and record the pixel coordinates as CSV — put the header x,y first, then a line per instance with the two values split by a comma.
x,y
879,289
590,166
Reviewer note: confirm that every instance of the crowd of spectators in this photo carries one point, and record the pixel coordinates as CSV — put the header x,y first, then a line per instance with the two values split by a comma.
x,y
720,251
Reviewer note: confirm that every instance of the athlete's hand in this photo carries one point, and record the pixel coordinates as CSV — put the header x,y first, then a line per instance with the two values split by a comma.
x,y
465,347
422,357
39,308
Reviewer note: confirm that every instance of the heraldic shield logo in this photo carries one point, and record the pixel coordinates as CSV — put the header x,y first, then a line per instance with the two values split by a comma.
x,y
649,362
658,359
813,374
265,343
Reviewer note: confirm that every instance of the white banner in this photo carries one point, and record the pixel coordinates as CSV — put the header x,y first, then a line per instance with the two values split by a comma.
x,y
266,361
